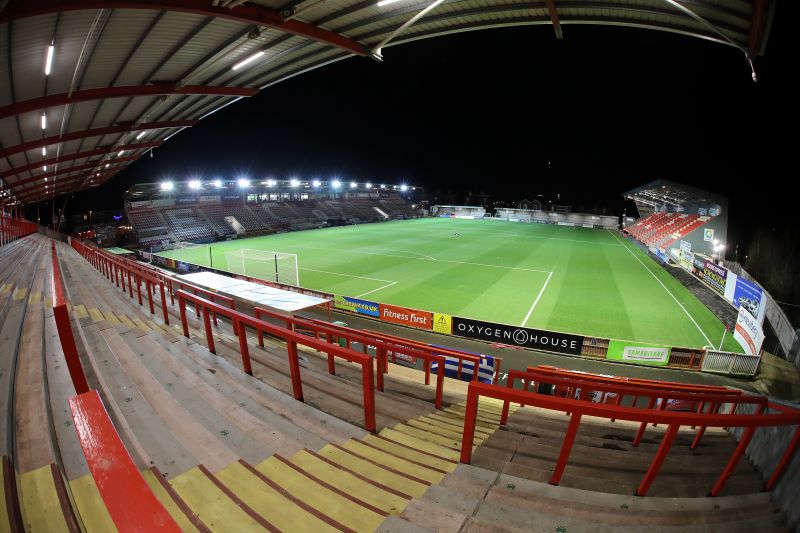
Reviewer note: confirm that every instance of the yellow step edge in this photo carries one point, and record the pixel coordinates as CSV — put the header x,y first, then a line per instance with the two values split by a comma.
x,y
336,506
454,424
397,463
419,444
79,311
217,511
6,288
41,508
280,511
459,419
90,506
401,451
48,302
5,526
388,502
425,435
35,297
369,470
442,432
127,321
169,504
111,317
96,315
140,324
20,294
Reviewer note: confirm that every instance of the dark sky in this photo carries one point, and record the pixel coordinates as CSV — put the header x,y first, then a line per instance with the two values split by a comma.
x,y
609,108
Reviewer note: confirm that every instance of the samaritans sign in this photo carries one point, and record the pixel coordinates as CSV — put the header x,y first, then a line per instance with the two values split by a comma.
x,y
639,353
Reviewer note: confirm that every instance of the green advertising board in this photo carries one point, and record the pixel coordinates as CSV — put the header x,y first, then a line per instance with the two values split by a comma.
x,y
638,353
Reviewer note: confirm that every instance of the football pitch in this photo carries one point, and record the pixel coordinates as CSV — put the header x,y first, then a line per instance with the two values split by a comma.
x,y
568,279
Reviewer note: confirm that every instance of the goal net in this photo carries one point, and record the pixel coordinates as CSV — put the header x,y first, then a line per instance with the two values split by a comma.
x,y
187,252
270,266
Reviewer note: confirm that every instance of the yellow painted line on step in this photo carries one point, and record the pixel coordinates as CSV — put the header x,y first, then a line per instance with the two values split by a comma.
x,y
41,508
382,497
96,315
334,505
19,294
156,327
111,317
407,452
5,526
79,311
127,321
481,417
166,500
90,505
214,507
441,431
282,512
367,469
422,434
396,463
140,324
48,302
419,444
453,424
35,298
459,420
6,288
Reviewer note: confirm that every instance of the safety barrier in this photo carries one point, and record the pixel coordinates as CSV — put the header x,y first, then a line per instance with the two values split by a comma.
x,y
292,339
12,229
781,416
61,315
735,364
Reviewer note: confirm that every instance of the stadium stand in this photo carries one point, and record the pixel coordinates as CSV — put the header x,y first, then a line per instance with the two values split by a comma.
x,y
187,225
219,449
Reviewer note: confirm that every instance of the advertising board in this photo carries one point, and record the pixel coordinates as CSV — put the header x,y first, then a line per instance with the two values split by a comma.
x,y
742,293
532,339
485,368
354,305
748,332
638,352
715,275
442,323
686,246
405,316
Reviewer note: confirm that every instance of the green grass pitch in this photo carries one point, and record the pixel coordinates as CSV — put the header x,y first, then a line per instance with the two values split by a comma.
x,y
574,280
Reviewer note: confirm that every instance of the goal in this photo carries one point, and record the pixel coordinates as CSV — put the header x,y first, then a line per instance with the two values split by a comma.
x,y
187,252
271,266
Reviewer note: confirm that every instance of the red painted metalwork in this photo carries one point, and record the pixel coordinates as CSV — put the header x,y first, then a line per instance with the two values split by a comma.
x,y
246,14
68,172
64,184
12,229
553,12
782,416
291,337
756,26
102,150
96,132
65,328
785,458
127,496
156,89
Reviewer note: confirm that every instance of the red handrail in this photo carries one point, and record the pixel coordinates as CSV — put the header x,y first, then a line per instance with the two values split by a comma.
x,y
577,408
382,347
61,315
12,228
240,320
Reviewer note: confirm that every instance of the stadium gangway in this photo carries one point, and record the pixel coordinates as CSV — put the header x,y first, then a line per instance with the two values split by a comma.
x,y
449,352
785,416
127,497
382,346
12,229
640,382
292,339
657,396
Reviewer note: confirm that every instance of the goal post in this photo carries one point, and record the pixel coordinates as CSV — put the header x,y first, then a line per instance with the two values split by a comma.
x,y
270,266
187,252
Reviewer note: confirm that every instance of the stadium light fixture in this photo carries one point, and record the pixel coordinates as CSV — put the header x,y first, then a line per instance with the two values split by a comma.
x,y
167,185
336,184
247,60
45,179
294,182
44,150
353,184
108,165
44,121
386,2
217,184
243,183
44,168
120,153
49,62
141,134
404,187
194,184
383,186
368,185
271,183
316,183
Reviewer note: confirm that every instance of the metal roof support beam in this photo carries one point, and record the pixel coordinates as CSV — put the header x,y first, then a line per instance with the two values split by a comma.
x,y
551,9
246,14
72,170
756,27
156,89
375,53
96,132
79,155
62,186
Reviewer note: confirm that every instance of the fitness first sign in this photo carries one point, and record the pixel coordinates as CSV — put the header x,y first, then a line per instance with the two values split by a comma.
x,y
533,339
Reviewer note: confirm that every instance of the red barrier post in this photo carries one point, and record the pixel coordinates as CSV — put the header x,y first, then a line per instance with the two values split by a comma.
x,y
785,458
381,362
658,460
744,441
209,333
243,349
294,370
569,439
470,419
638,440
163,302
184,322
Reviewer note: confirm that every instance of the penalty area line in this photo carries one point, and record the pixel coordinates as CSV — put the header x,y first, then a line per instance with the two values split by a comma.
x,y
376,290
386,281
536,301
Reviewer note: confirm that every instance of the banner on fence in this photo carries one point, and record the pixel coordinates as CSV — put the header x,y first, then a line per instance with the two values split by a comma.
x,y
354,305
748,332
686,246
533,339
687,260
405,316
715,275
442,323
485,368
639,352
742,293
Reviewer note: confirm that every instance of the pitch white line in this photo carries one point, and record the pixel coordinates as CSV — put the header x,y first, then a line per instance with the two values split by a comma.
x,y
376,290
666,289
537,299
403,251
347,275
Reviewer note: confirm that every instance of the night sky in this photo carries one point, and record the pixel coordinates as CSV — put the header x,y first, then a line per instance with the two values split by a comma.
x,y
514,113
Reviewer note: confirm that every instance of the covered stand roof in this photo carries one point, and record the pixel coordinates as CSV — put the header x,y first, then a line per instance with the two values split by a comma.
x,y
665,195
89,86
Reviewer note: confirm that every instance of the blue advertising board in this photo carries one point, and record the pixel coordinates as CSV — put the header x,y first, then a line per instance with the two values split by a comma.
x,y
748,295
354,305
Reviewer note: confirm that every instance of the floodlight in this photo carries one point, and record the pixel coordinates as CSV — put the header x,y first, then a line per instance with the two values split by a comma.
x,y
715,241
383,186
120,153
108,165
217,183
336,184
368,185
294,182
404,187
44,168
141,134
49,62
353,184
316,183
194,184
270,183
44,150
44,121
242,182
386,2
247,60
167,185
